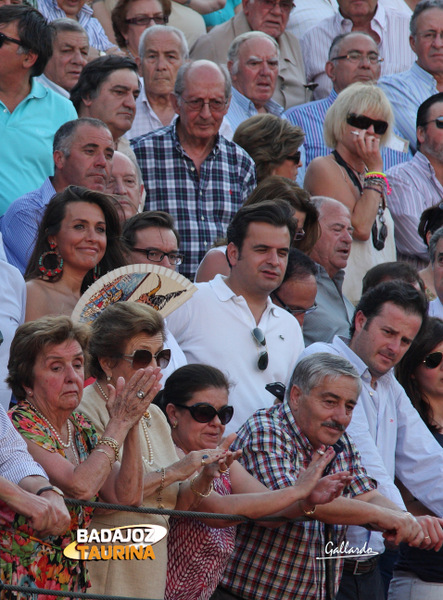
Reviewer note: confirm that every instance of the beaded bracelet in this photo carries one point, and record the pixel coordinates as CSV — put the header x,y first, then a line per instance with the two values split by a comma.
x,y
111,462
199,494
308,513
379,175
109,441
161,486
369,187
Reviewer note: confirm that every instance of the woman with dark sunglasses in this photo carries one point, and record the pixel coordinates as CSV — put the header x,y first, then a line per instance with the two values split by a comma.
x,y
127,337
195,399
356,125
418,574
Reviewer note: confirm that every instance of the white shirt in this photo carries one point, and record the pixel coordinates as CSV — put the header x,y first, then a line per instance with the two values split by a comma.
x,y
12,314
215,327
391,26
178,358
307,13
392,440
146,118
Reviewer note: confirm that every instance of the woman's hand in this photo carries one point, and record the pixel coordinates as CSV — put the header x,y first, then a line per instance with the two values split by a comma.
x,y
128,401
367,147
193,462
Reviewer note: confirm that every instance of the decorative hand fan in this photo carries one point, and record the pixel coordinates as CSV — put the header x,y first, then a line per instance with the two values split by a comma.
x,y
159,287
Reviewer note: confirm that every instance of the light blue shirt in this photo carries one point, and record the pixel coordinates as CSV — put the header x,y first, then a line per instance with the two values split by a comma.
x,y
406,91
26,137
392,440
241,108
19,225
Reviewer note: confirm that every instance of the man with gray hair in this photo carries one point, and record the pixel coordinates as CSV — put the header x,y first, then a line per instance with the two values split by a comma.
x,y
82,152
277,443
189,169
408,90
162,51
70,47
253,66
436,255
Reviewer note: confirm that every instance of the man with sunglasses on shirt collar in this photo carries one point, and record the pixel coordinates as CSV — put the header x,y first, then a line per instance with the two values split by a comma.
x,y
418,184
231,322
387,430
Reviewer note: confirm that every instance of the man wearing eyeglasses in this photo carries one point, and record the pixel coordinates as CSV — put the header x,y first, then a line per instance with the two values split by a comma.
x,y
353,57
271,17
390,435
30,113
407,90
387,26
418,184
189,169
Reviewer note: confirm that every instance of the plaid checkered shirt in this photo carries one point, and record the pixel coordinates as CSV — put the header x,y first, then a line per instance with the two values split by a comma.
x,y
202,206
282,563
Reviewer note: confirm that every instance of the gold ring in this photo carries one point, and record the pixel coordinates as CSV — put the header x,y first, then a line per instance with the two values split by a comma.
x,y
320,452
203,459
223,471
427,537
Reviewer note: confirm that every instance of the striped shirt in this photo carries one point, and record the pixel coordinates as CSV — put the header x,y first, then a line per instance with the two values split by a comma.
x,y
415,188
146,119
406,91
281,563
202,205
96,34
391,26
241,108
311,116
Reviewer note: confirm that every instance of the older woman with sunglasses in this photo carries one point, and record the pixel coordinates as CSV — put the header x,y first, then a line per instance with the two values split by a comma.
x,y
418,574
195,399
126,337
358,122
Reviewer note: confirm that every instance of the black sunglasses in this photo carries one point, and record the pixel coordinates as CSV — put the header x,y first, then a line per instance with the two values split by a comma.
x,y
438,123
141,359
295,157
294,311
362,122
433,360
263,357
204,413
4,38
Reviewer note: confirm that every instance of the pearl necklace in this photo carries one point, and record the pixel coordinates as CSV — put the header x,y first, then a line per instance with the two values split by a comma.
x,y
102,391
53,429
146,422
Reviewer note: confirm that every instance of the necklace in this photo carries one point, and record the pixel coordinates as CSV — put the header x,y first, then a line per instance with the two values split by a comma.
x,y
146,423
53,429
102,391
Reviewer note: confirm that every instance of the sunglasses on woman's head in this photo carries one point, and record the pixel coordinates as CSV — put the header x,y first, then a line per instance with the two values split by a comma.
x,y
362,122
204,413
141,359
433,360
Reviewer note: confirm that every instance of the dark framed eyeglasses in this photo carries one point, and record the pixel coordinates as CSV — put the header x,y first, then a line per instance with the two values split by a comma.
x,y
285,5
5,38
204,413
438,122
433,360
155,255
214,104
146,19
295,157
294,311
141,359
363,122
260,340
354,56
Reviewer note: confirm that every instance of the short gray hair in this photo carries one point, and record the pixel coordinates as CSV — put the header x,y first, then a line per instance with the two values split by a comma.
x,y
152,31
65,134
436,237
180,86
313,369
65,24
420,8
334,49
234,48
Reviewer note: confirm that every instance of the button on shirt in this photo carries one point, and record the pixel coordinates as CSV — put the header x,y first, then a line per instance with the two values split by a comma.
x,y
215,327
241,108
392,440
391,26
282,563
406,91
202,206
415,188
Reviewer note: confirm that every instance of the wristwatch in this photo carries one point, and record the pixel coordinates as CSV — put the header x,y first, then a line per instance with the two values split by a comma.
x,y
50,488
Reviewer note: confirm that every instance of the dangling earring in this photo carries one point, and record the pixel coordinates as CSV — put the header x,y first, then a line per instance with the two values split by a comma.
x,y
108,378
174,425
45,271
96,274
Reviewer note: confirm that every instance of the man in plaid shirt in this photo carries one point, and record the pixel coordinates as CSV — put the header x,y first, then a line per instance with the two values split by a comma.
x,y
289,561
189,169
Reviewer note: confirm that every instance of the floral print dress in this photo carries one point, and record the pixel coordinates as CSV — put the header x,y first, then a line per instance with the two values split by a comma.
x,y
26,560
